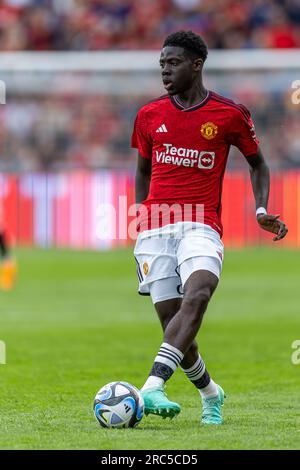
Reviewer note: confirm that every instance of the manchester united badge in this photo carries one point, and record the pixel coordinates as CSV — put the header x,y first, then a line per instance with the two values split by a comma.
x,y
209,130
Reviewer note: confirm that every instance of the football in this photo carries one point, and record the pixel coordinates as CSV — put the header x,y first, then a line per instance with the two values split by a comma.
x,y
119,405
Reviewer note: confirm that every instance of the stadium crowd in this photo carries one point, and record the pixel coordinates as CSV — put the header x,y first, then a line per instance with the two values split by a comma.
x,y
49,132
131,24
94,132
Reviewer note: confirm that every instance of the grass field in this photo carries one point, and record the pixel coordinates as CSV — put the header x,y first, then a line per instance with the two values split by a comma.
x,y
75,322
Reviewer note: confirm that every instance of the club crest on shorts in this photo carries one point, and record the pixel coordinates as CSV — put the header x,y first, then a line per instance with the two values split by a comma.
x,y
145,268
209,130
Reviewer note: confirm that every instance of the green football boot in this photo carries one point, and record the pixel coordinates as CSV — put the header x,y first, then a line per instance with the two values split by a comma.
x,y
157,403
211,413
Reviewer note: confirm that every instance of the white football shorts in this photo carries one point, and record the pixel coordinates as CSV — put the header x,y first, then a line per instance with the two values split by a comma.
x,y
167,256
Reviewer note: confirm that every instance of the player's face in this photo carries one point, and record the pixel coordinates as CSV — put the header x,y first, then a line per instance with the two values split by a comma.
x,y
178,71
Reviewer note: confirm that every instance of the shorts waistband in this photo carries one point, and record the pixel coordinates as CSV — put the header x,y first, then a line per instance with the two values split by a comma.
x,y
178,229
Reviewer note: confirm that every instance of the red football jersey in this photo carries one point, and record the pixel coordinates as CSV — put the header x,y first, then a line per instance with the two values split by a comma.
x,y
189,149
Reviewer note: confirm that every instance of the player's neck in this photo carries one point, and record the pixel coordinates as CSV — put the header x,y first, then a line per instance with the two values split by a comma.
x,y
193,96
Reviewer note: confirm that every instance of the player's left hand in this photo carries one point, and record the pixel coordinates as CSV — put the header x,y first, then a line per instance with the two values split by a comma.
x,y
271,223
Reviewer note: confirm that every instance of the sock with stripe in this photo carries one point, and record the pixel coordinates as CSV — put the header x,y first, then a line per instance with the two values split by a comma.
x,y
199,376
165,364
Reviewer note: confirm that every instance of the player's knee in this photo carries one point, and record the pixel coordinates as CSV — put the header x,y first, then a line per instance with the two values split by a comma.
x,y
166,311
197,299
165,321
165,315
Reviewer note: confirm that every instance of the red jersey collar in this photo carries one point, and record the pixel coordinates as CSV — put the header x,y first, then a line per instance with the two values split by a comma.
x,y
178,105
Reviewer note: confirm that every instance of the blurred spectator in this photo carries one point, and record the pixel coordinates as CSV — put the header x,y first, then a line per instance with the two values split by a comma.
x,y
138,24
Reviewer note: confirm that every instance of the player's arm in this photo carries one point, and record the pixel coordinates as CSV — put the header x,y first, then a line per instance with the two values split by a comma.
x,y
142,179
260,179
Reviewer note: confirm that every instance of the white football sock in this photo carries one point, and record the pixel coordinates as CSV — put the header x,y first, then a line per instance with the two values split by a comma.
x,y
153,382
210,391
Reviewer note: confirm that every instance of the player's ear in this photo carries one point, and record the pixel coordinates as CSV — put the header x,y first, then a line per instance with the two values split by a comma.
x,y
198,64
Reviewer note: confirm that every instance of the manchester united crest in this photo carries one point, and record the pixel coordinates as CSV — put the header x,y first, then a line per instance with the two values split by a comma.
x,y
209,130
145,268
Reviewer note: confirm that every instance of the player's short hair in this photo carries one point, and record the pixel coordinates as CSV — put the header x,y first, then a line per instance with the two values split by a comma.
x,y
193,44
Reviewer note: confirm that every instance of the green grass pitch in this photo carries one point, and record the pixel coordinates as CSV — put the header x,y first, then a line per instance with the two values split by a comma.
x,y
75,322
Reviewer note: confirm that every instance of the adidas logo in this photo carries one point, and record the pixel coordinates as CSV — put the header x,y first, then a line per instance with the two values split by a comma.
x,y
127,408
162,128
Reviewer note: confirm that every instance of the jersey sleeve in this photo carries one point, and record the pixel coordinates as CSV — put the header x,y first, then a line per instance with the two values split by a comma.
x,y
242,134
141,139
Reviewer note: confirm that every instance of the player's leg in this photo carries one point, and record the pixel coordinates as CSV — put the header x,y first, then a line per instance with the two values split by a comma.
x,y
4,250
200,277
167,300
199,254
178,333
192,364
8,267
184,326
166,310
178,339
163,292
157,261
201,250
181,330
